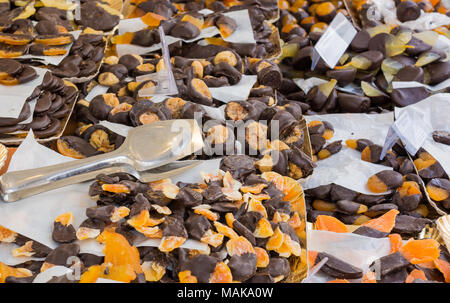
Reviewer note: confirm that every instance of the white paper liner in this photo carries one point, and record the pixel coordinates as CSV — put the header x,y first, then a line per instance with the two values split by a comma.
x,y
7,257
13,97
306,84
434,113
237,92
346,167
357,250
426,21
97,90
53,60
408,84
244,30
123,49
55,271
33,217
334,41
32,104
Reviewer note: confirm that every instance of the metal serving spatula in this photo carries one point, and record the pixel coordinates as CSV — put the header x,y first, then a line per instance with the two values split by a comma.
x,y
148,153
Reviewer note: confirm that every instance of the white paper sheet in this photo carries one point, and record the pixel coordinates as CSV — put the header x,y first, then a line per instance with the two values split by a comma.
x,y
123,49
434,112
13,97
33,217
357,250
346,167
408,84
7,257
307,84
334,41
55,271
244,30
237,92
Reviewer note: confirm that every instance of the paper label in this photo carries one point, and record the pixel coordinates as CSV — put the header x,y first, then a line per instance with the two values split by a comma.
x,y
334,41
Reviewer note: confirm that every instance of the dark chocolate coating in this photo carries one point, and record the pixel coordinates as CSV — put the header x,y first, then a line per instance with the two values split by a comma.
x,y
409,226
61,254
63,234
243,267
338,268
370,232
390,263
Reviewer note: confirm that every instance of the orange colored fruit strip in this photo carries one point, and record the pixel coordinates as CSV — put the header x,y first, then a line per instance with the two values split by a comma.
x,y
119,252
415,274
385,223
444,268
312,256
338,281
152,19
420,251
329,223
123,39
369,278
396,242
221,274
8,271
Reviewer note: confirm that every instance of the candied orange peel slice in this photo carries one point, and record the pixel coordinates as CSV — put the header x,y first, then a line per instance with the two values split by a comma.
x,y
239,246
225,230
116,188
384,223
187,277
330,223
253,189
65,219
208,214
276,240
170,243
420,251
7,235
153,271
221,274
212,238
8,271
263,229
291,189
262,257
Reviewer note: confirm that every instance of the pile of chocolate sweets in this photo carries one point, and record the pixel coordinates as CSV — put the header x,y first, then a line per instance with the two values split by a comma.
x,y
248,220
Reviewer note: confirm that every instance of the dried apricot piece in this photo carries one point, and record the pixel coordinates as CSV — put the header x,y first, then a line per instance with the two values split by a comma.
x,y
187,277
152,19
239,246
221,274
444,267
384,223
118,252
396,242
197,22
170,243
420,251
91,275
225,230
437,189
330,223
323,205
415,274
7,271
276,240
125,38
369,277
263,229
312,256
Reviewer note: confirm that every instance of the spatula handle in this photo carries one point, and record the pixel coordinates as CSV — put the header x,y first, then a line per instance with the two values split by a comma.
x,y
21,184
